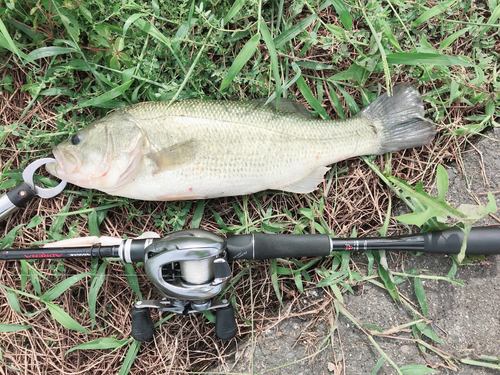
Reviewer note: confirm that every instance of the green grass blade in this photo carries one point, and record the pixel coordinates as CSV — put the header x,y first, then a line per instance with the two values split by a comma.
x,y
33,274
241,59
132,280
266,36
417,370
490,358
237,5
95,286
24,274
433,12
103,343
306,92
493,21
495,15
7,42
297,276
131,20
198,214
385,275
314,65
191,70
273,267
181,34
69,22
480,364
383,55
55,91
107,96
343,13
383,230
422,327
351,103
14,301
12,327
420,293
58,224
336,102
130,357
8,240
64,319
389,34
445,43
149,28
61,287
43,52
410,58
292,32
93,224
378,366
332,279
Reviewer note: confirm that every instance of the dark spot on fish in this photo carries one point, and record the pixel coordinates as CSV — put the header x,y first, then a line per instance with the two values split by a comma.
x,y
375,131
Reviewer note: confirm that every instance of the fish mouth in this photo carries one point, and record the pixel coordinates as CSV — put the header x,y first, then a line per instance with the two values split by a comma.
x,y
52,168
65,164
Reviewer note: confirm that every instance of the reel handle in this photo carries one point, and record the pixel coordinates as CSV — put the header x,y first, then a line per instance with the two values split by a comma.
x,y
142,325
225,324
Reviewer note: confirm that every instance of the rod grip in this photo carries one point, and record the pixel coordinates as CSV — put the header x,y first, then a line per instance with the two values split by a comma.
x,y
480,241
142,325
258,246
225,324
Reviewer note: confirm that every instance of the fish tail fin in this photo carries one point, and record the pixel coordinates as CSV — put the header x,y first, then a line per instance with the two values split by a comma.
x,y
400,118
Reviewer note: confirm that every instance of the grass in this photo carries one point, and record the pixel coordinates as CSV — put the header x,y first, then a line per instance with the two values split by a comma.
x,y
63,64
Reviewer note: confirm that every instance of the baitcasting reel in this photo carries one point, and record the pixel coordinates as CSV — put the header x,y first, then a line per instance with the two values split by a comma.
x,y
189,268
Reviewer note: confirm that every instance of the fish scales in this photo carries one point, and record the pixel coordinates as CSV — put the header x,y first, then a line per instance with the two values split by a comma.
x,y
206,148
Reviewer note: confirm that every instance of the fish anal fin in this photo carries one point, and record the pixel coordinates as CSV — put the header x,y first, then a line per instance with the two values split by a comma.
x,y
173,156
307,184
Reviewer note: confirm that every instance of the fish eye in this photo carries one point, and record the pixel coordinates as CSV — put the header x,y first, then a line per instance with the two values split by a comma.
x,y
77,138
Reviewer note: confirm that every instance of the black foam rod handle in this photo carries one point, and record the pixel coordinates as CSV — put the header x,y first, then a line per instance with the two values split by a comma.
x,y
142,325
480,241
225,324
259,246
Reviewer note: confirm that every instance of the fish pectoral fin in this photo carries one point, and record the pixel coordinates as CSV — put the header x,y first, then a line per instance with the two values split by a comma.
x,y
308,183
173,156
288,105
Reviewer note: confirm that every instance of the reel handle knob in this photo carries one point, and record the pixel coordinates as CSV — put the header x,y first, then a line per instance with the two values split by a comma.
x,y
221,269
142,325
225,324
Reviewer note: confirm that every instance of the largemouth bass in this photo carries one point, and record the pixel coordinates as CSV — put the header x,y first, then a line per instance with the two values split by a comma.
x,y
207,148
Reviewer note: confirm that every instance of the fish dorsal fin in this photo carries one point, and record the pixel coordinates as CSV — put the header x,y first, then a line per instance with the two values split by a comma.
x,y
173,156
288,105
308,183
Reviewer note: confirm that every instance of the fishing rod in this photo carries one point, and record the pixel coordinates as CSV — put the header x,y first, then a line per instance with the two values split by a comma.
x,y
190,267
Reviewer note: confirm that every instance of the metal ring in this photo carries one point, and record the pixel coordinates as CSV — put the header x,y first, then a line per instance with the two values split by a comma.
x,y
29,172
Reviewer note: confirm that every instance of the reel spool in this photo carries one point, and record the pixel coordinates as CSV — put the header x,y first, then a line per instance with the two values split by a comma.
x,y
189,268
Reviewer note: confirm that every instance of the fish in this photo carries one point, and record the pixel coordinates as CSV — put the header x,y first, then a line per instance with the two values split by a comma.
x,y
197,148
